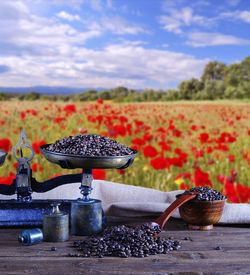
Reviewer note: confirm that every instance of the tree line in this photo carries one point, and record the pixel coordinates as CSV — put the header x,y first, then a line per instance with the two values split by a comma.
x,y
218,81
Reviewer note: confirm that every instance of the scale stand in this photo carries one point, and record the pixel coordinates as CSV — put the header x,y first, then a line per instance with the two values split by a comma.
x,y
85,213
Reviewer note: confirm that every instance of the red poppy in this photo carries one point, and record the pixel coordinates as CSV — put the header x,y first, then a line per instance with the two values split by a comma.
x,y
33,112
99,118
150,151
160,130
235,191
201,178
119,130
5,144
100,101
58,119
204,137
158,163
221,147
129,129
243,193
123,119
175,162
231,158
70,108
36,167
184,186
139,123
194,128
226,138
177,133
22,115
138,141
8,179
209,149
99,174
121,171
37,144
164,146
198,153
147,137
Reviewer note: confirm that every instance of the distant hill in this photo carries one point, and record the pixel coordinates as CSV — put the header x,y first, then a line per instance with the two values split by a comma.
x,y
47,90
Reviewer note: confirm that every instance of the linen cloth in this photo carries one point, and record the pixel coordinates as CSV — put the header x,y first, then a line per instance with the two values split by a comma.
x,y
133,201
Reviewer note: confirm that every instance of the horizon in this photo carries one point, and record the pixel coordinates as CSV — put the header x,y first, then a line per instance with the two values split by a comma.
x,y
103,43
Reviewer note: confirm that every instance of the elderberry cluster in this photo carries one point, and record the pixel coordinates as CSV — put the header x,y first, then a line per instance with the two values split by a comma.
x,y
125,241
90,145
206,194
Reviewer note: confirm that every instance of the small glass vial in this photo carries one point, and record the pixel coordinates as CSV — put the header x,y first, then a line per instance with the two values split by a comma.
x,y
30,236
56,225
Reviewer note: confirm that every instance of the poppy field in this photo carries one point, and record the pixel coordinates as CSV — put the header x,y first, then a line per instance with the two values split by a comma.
x,y
180,144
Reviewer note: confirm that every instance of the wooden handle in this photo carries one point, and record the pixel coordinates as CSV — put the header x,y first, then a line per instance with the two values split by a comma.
x,y
169,211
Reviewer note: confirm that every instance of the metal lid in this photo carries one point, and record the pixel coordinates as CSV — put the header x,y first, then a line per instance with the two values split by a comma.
x,y
55,210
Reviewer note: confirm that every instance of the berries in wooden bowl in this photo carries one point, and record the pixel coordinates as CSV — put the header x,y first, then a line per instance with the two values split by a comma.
x,y
205,210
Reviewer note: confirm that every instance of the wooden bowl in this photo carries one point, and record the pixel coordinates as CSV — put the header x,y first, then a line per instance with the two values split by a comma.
x,y
201,215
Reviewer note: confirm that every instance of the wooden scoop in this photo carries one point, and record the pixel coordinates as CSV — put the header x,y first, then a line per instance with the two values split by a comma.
x,y
161,221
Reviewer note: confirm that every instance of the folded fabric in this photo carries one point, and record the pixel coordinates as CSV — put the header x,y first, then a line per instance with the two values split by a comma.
x,y
132,201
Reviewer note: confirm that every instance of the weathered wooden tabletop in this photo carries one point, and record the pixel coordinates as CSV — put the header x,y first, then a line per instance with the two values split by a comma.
x,y
198,255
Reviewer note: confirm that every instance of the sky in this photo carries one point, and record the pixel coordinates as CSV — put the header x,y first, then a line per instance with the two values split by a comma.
x,y
109,43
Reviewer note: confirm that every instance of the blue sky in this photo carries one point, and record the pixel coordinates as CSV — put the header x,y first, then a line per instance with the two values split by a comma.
x,y
109,43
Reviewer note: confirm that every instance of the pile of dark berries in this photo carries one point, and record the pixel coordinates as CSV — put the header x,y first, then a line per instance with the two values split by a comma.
x,y
206,194
90,145
125,241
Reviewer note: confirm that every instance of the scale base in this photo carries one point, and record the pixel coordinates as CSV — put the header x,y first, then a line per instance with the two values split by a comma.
x,y
23,214
20,214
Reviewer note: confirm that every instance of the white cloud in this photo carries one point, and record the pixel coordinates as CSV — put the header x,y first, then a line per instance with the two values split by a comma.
x,y
76,4
245,16
203,39
29,34
45,51
115,24
120,64
67,16
177,19
118,25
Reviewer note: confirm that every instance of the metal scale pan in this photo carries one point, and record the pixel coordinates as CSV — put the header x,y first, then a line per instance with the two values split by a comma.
x,y
86,162
87,216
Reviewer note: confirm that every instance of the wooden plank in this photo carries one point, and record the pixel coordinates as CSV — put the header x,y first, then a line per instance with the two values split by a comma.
x,y
44,249
120,266
197,254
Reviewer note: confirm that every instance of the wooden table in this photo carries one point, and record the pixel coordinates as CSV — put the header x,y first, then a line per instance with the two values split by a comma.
x,y
198,255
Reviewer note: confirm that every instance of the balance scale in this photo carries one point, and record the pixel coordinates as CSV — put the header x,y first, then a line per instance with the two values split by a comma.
x,y
24,211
